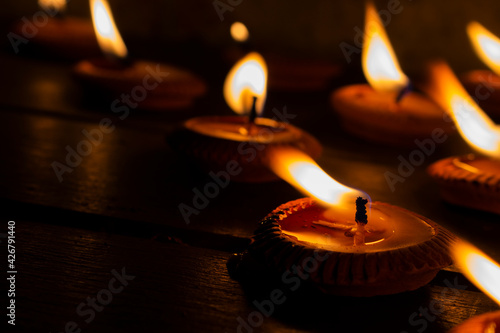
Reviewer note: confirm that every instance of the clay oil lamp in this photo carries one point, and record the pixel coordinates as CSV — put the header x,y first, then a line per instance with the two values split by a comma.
x,y
385,110
286,73
472,180
342,241
239,144
148,85
483,84
57,33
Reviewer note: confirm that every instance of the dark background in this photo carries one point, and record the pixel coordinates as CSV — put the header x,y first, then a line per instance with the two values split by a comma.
x,y
119,208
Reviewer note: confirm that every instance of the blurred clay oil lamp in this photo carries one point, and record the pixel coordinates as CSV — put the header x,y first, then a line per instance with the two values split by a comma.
x,y
286,73
484,272
152,85
385,110
241,142
60,34
471,181
357,247
484,85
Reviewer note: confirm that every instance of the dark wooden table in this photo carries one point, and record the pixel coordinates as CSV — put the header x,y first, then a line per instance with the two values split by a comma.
x,y
116,214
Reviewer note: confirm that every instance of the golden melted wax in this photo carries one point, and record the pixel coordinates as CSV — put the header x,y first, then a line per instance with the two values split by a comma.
x,y
388,228
236,128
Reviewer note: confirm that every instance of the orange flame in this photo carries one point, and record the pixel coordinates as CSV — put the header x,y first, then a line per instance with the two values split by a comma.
x,y
486,45
480,269
379,61
247,79
58,5
239,32
301,171
108,36
473,124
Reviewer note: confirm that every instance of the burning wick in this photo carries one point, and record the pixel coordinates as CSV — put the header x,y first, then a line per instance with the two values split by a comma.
x,y
361,220
253,111
405,91
251,117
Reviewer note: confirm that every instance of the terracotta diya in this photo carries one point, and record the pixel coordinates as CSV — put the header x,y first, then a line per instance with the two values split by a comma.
x,y
484,85
59,34
485,323
143,84
286,73
484,272
240,142
386,110
339,246
470,181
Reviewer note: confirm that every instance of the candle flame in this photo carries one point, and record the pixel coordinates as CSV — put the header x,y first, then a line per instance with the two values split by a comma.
x,y
380,65
480,269
53,5
301,171
473,124
486,45
239,32
107,33
247,79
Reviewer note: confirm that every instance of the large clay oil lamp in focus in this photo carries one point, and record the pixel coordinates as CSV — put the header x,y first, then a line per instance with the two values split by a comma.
x,y
146,84
286,73
239,144
59,34
345,243
484,85
484,272
470,181
385,110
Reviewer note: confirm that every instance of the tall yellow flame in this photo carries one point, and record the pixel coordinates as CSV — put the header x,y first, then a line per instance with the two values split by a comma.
x,y
107,33
301,171
480,269
380,65
247,79
473,124
486,45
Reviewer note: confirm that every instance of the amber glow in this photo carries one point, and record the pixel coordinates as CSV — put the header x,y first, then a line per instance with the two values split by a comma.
x,y
301,171
473,124
380,65
108,36
239,32
480,269
486,45
247,79
58,5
